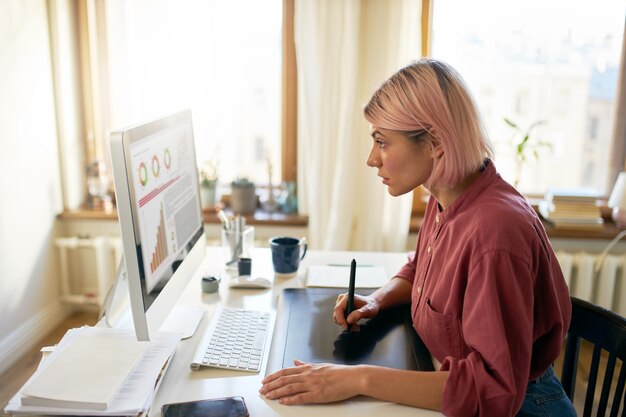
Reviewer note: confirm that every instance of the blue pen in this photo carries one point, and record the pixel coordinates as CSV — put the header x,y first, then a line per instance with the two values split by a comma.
x,y
350,306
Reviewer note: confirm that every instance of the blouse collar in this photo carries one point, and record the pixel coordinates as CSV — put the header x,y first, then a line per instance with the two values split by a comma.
x,y
470,194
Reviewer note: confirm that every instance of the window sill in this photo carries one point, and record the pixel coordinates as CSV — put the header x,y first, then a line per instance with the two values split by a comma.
x,y
262,218
209,216
607,232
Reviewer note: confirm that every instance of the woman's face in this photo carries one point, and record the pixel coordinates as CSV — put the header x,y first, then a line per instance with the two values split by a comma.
x,y
402,163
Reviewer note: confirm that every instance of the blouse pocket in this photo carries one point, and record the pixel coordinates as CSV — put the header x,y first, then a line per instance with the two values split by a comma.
x,y
440,332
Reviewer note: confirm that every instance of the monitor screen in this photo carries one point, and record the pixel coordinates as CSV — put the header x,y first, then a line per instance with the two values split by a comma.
x,y
158,203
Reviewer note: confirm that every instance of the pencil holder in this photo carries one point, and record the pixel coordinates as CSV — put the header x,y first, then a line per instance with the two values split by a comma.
x,y
237,244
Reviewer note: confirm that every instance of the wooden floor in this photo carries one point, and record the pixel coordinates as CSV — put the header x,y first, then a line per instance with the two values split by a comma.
x,y
15,377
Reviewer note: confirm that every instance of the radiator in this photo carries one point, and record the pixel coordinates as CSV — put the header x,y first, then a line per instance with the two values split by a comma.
x,y
87,285
599,281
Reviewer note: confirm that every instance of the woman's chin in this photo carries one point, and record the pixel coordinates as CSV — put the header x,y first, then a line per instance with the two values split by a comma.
x,y
394,192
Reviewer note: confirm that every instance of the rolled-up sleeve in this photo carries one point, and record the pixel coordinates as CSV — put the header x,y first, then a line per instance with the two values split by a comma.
x,y
497,324
407,272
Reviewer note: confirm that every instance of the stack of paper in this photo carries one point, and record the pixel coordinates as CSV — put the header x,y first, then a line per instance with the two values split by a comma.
x,y
98,372
338,276
86,374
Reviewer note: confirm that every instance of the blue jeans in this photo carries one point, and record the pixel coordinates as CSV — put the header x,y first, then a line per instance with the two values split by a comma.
x,y
545,398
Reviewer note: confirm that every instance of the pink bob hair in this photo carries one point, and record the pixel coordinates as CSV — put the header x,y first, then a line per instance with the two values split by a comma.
x,y
430,95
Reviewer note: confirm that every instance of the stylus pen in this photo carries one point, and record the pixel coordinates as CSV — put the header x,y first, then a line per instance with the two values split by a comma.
x,y
350,305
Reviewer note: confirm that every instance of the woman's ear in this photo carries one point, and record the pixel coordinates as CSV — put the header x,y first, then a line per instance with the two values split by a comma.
x,y
436,150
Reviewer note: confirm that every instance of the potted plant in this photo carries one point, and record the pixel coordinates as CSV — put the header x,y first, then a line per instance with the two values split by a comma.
x,y
208,184
243,199
525,146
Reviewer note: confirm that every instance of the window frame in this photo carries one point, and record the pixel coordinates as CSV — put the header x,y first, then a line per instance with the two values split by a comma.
x,y
91,50
617,160
289,111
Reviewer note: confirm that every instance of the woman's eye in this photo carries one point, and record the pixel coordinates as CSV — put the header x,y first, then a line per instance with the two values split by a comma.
x,y
380,143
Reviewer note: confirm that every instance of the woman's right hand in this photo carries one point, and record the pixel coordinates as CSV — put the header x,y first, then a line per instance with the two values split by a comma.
x,y
364,307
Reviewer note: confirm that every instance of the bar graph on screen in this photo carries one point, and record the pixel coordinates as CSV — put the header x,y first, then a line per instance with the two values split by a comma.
x,y
160,251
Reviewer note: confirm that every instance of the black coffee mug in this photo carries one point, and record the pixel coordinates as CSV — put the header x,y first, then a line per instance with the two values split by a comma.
x,y
287,252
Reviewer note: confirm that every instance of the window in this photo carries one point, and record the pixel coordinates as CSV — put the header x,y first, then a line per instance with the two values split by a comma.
x,y
554,64
593,128
220,58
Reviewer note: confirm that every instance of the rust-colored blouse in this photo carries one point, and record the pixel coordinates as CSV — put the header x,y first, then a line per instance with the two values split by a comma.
x,y
488,299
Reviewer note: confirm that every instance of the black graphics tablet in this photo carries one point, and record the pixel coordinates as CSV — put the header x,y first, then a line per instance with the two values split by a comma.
x,y
305,330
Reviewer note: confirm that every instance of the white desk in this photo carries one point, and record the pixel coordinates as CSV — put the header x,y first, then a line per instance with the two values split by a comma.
x,y
182,384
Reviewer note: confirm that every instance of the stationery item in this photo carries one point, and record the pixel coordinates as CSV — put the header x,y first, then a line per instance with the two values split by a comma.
x,y
210,284
334,276
86,374
287,252
226,222
237,241
350,305
244,266
216,407
135,395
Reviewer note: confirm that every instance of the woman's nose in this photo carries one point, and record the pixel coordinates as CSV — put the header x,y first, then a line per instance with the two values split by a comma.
x,y
373,160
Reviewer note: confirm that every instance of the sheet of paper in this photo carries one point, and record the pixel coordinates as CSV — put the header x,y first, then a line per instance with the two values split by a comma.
x,y
338,276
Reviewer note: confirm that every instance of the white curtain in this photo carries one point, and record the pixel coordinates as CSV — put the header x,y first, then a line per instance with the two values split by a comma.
x,y
619,123
345,50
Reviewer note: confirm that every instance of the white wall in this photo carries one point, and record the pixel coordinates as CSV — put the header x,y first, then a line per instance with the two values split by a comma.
x,y
29,179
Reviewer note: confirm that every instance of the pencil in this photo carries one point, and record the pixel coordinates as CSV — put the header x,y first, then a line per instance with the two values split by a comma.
x,y
350,306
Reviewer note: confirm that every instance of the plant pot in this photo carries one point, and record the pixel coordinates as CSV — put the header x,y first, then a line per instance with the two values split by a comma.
x,y
208,196
243,200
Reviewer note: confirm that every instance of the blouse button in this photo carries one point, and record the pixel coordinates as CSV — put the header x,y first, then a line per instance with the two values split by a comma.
x,y
437,218
419,290
428,250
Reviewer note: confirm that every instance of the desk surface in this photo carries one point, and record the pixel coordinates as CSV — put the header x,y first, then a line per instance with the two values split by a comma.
x,y
182,384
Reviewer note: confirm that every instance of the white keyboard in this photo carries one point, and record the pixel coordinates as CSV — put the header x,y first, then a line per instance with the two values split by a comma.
x,y
235,340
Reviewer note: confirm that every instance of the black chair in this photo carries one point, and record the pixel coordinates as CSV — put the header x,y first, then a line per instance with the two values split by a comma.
x,y
606,330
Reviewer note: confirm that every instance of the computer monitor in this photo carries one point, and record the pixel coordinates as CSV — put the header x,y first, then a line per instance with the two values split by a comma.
x,y
158,204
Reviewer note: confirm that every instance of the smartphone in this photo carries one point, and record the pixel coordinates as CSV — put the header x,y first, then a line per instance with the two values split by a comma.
x,y
214,407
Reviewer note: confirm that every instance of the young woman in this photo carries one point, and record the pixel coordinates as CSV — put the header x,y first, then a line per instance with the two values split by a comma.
x,y
487,295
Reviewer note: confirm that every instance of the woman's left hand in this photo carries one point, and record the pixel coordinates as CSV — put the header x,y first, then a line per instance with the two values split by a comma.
x,y
310,383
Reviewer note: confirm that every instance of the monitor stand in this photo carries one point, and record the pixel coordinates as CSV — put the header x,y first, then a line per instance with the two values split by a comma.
x,y
183,319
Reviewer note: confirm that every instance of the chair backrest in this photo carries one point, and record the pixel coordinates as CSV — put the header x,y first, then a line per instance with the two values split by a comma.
x,y
606,330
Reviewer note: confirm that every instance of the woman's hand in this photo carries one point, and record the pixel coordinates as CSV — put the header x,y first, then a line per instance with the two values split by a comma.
x,y
364,307
311,383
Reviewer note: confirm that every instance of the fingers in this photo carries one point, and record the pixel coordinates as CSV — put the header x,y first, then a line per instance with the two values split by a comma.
x,y
340,309
309,383
285,387
339,312
288,382
283,373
